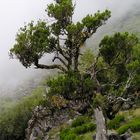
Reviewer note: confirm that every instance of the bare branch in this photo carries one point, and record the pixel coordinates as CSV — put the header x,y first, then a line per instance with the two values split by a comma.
x,y
123,99
128,82
54,66
59,49
61,60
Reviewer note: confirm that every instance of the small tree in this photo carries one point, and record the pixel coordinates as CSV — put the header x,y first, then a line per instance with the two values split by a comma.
x,y
114,72
60,36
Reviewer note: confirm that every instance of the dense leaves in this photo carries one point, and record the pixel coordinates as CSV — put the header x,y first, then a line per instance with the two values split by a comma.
x,y
14,120
59,35
116,71
71,86
31,43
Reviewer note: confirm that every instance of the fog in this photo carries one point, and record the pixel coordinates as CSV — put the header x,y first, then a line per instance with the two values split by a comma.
x,y
16,13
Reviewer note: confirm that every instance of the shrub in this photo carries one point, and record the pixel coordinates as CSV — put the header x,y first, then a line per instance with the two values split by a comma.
x,y
134,125
13,122
71,86
75,132
64,133
123,129
80,120
84,128
116,122
68,134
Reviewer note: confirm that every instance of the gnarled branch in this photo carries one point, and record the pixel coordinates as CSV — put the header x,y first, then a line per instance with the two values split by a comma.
x,y
61,60
54,66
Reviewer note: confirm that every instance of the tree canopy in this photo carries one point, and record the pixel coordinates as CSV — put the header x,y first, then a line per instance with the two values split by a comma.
x,y
115,70
59,35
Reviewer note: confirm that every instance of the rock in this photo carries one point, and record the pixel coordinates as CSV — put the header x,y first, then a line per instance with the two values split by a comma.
x,y
115,136
127,135
69,122
44,119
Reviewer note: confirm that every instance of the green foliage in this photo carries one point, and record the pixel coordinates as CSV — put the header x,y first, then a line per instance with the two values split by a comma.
x,y
116,122
33,41
63,85
71,86
133,125
115,71
84,128
86,60
60,11
13,121
66,135
99,100
80,121
119,45
79,126
116,52
76,131
91,21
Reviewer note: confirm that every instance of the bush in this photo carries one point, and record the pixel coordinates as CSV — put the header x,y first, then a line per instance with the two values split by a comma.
x,y
116,122
13,122
71,86
123,129
84,128
133,125
71,136
75,132
67,134
64,133
80,120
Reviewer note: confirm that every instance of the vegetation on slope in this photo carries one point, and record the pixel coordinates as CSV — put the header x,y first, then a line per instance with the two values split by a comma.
x,y
14,118
83,128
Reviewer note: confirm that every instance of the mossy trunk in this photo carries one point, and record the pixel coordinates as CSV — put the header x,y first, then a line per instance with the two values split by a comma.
x,y
101,129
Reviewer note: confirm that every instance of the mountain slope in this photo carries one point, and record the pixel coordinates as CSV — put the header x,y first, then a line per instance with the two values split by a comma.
x,y
129,22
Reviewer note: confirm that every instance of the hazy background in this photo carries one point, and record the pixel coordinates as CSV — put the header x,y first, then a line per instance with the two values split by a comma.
x,y
13,15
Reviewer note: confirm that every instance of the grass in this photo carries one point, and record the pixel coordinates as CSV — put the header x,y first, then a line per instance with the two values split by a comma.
x,y
133,125
136,136
80,121
121,123
116,122
77,130
88,136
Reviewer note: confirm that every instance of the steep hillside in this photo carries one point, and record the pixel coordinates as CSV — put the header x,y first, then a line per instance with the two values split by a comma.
x,y
129,22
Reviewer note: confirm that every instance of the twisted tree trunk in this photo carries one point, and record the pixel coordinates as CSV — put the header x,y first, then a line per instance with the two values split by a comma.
x,y
101,130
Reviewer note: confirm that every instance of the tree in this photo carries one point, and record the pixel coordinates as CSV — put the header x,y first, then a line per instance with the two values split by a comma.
x,y
60,36
114,72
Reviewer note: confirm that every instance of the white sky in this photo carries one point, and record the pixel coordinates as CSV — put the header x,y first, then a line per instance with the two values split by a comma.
x,y
13,15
